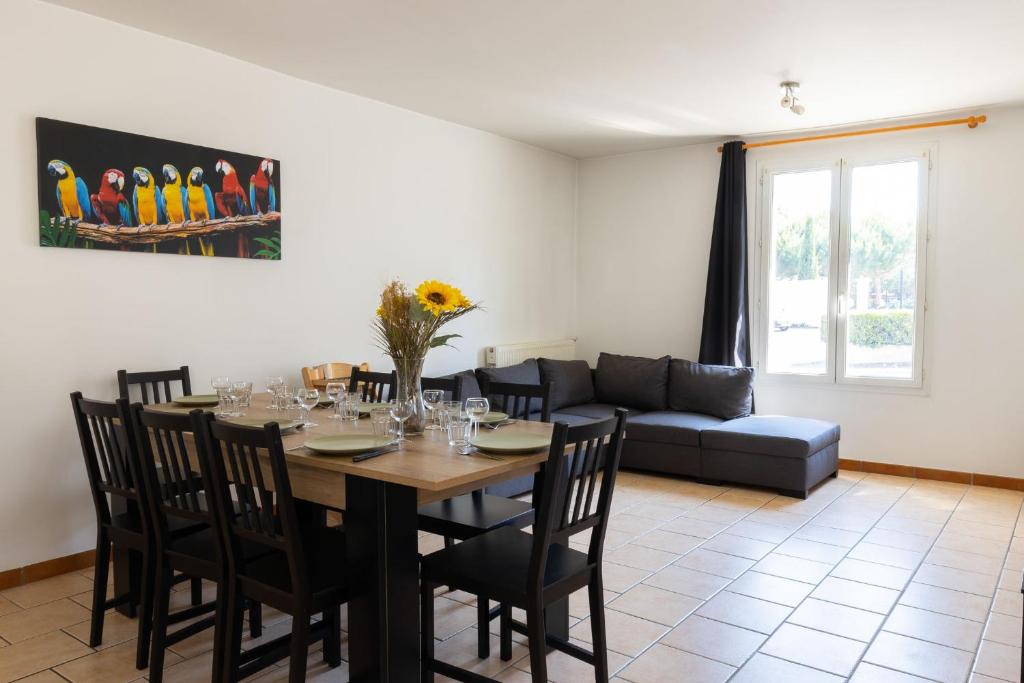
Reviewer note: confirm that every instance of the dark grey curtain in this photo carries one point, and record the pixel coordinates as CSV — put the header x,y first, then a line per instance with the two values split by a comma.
x,y
725,336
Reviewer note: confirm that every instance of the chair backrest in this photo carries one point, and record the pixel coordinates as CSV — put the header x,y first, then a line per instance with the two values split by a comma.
x,y
311,373
583,460
105,431
175,490
451,386
237,458
152,382
375,387
518,400
341,370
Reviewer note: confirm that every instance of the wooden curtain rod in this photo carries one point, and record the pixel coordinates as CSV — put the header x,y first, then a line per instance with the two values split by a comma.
x,y
971,121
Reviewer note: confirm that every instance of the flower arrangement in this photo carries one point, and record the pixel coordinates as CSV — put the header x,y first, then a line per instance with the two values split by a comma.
x,y
407,323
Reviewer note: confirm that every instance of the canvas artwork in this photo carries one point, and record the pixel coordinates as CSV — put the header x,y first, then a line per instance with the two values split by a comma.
x,y
104,189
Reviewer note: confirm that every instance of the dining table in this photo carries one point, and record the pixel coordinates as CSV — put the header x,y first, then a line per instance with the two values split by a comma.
x,y
379,498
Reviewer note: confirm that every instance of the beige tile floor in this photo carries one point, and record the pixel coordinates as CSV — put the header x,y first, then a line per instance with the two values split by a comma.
x,y
873,578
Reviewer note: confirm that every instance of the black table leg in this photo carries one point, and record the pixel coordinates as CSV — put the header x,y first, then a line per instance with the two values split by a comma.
x,y
127,566
383,610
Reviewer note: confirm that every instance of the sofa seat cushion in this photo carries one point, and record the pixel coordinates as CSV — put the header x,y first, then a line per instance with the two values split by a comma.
x,y
788,437
567,418
596,411
669,426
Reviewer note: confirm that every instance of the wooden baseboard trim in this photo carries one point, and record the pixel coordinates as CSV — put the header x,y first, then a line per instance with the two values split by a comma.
x,y
974,478
46,569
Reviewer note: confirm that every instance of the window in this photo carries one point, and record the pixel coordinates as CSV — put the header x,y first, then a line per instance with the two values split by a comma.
x,y
842,269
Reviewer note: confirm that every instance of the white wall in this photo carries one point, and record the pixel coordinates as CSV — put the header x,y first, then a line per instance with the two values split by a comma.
x,y
370,191
644,234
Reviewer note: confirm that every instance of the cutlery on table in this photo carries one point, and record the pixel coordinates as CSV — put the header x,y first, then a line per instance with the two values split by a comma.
x,y
373,454
495,425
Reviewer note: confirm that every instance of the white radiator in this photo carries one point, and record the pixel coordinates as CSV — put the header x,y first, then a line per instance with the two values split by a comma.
x,y
510,354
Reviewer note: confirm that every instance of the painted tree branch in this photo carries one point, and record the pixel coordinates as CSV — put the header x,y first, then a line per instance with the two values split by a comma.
x,y
151,234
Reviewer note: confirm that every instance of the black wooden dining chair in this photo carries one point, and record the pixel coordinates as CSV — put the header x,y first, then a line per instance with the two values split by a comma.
x,y
451,386
472,514
184,532
302,570
105,434
151,383
374,387
533,571
519,401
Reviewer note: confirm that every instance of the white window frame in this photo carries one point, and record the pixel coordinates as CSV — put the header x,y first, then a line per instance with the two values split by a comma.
x,y
841,162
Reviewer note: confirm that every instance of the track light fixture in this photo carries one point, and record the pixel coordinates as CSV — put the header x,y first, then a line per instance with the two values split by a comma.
x,y
790,100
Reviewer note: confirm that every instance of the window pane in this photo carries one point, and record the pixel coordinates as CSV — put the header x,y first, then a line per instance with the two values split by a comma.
x,y
883,271
798,282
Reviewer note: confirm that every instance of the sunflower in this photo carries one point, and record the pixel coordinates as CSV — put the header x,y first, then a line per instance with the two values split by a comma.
x,y
438,297
463,301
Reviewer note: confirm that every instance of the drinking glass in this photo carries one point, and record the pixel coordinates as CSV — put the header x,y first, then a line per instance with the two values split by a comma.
x,y
282,395
477,407
272,383
244,392
402,411
382,423
432,400
233,399
221,384
449,408
335,392
344,410
308,399
460,427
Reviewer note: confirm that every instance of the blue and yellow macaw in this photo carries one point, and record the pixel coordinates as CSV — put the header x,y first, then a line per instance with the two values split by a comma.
x,y
200,203
72,194
147,201
175,196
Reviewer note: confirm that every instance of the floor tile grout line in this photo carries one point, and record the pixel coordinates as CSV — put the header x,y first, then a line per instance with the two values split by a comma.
x,y
724,588
974,654
845,555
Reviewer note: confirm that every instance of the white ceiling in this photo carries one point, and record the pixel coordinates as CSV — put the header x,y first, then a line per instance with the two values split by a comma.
x,y
596,77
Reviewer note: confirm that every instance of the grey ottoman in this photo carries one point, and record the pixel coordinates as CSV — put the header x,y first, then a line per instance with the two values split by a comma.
x,y
791,454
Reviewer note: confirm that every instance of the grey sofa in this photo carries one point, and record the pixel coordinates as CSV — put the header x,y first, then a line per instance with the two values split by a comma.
x,y
684,419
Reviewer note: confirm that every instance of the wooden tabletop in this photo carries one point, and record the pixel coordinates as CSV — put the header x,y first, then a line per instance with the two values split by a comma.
x,y
426,463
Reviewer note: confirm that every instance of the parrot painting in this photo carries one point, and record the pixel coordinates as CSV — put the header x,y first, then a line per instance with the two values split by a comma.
x,y
72,194
200,203
231,200
262,195
109,204
174,195
147,200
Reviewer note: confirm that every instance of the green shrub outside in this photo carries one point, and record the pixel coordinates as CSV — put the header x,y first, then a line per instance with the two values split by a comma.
x,y
878,328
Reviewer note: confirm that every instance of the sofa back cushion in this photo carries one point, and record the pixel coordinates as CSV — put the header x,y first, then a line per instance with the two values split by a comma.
x,y
718,390
573,383
632,381
527,372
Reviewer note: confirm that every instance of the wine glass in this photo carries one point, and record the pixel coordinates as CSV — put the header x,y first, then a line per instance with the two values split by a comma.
x,y
477,407
221,384
402,410
272,383
432,400
307,399
335,392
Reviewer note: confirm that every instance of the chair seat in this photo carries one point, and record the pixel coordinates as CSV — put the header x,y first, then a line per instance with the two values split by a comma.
x,y
496,565
268,579
130,522
472,514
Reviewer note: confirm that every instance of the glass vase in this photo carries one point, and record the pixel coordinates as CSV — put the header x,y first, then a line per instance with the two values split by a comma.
x,y
407,388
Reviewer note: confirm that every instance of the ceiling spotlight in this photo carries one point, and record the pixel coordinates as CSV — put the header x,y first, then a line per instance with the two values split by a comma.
x,y
790,100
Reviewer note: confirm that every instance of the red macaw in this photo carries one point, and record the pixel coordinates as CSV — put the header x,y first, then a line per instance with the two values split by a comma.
x,y
231,200
109,204
262,195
